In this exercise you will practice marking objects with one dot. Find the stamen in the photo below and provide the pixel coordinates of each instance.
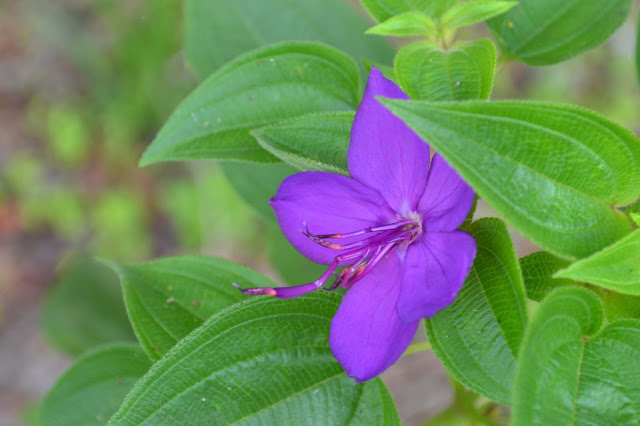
(373, 261)
(379, 240)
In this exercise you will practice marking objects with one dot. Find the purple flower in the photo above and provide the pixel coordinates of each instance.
(393, 225)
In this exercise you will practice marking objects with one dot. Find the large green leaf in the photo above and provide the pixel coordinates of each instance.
(477, 338)
(617, 267)
(216, 31)
(263, 361)
(93, 388)
(537, 272)
(85, 308)
(568, 373)
(425, 71)
(544, 32)
(256, 183)
(382, 10)
(311, 142)
(261, 87)
(168, 298)
(553, 172)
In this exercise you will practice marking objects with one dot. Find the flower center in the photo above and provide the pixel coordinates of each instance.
(365, 249)
(373, 245)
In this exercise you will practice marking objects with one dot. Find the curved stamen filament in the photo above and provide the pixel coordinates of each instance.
(365, 253)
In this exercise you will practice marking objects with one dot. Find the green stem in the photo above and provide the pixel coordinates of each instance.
(417, 347)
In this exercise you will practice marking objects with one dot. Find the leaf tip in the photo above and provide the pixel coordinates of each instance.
(115, 267)
(146, 159)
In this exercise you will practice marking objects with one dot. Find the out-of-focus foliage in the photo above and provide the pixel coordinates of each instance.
(85, 308)
(91, 391)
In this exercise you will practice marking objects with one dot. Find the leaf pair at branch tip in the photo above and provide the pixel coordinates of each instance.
(419, 22)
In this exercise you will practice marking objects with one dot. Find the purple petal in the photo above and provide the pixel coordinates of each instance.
(447, 199)
(366, 334)
(435, 269)
(384, 153)
(328, 204)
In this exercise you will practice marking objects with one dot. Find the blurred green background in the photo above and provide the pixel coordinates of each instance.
(84, 85)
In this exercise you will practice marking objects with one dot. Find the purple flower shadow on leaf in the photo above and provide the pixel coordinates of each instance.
(393, 225)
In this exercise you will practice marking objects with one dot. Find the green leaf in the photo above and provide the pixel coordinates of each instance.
(468, 13)
(538, 164)
(85, 308)
(292, 266)
(168, 298)
(425, 71)
(569, 375)
(617, 305)
(311, 142)
(216, 31)
(633, 211)
(263, 361)
(382, 10)
(93, 388)
(256, 183)
(259, 88)
(537, 272)
(616, 267)
(477, 338)
(406, 24)
(545, 32)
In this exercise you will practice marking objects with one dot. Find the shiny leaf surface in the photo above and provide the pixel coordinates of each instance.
(537, 164)
(263, 361)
